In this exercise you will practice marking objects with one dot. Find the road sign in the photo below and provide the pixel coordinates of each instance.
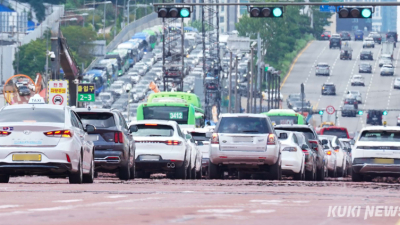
(327, 8)
(330, 110)
(86, 93)
(58, 92)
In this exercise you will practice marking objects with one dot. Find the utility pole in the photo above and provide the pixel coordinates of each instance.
(249, 109)
(261, 81)
(94, 10)
(248, 88)
(269, 91)
(236, 84)
(129, 12)
(255, 90)
(230, 85)
(115, 22)
(279, 91)
(104, 22)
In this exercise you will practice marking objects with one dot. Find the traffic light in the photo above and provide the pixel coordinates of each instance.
(384, 113)
(321, 112)
(360, 112)
(266, 12)
(355, 13)
(174, 12)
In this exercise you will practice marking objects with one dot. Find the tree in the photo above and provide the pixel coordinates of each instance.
(32, 58)
(79, 41)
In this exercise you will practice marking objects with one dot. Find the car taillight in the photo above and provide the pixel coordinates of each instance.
(271, 139)
(4, 133)
(329, 35)
(118, 137)
(329, 153)
(214, 138)
(59, 133)
(290, 149)
(367, 116)
(173, 142)
(336, 150)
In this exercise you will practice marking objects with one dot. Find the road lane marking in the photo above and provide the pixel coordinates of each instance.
(8, 206)
(263, 211)
(294, 63)
(69, 200)
(116, 196)
(219, 210)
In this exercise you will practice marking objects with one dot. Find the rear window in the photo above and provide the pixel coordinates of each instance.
(199, 136)
(383, 136)
(284, 119)
(99, 120)
(338, 132)
(306, 131)
(38, 115)
(153, 130)
(245, 125)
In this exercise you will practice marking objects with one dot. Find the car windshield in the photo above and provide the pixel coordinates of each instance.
(198, 136)
(153, 130)
(30, 115)
(380, 136)
(245, 125)
(97, 119)
(338, 132)
(306, 131)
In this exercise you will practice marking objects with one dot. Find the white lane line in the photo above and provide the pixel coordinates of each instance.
(219, 210)
(116, 196)
(8, 206)
(68, 201)
(263, 211)
(393, 79)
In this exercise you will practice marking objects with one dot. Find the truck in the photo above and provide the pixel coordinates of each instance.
(387, 48)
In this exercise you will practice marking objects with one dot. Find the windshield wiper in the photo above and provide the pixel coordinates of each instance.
(248, 131)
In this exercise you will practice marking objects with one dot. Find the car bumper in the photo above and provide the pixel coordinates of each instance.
(244, 157)
(290, 164)
(376, 168)
(330, 163)
(161, 165)
(35, 168)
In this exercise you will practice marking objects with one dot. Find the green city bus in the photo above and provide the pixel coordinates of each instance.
(123, 59)
(182, 113)
(189, 98)
(285, 116)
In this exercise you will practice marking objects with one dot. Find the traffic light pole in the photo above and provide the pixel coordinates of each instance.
(230, 85)
(251, 81)
(372, 4)
(236, 85)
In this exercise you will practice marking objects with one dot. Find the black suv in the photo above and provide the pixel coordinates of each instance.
(391, 34)
(314, 143)
(335, 42)
(349, 110)
(328, 89)
(366, 54)
(345, 36)
(115, 148)
(374, 117)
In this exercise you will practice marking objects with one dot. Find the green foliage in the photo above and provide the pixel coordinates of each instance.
(79, 39)
(32, 58)
(198, 25)
(283, 37)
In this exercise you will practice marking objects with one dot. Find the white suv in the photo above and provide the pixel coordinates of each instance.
(376, 153)
(246, 143)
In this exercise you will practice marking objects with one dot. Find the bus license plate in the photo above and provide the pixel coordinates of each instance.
(384, 161)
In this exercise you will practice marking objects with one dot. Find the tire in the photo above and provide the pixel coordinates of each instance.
(200, 173)
(340, 171)
(213, 171)
(321, 173)
(188, 172)
(300, 175)
(275, 171)
(181, 172)
(310, 175)
(193, 174)
(124, 171)
(4, 178)
(356, 177)
(76, 178)
(133, 170)
(89, 178)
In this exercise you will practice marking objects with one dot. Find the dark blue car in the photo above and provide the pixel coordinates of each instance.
(359, 35)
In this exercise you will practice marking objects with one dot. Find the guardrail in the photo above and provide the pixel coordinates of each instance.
(128, 31)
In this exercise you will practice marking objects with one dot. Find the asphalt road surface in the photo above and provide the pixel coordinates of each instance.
(378, 92)
(40, 200)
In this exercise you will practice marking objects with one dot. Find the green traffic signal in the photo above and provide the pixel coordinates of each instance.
(321, 112)
(384, 113)
(366, 13)
(277, 12)
(266, 11)
(184, 12)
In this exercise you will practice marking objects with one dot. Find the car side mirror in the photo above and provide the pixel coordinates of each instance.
(283, 136)
(324, 142)
(188, 136)
(90, 128)
(199, 143)
(133, 129)
(208, 135)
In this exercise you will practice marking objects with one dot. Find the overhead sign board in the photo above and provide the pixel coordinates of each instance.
(58, 92)
(327, 8)
(86, 93)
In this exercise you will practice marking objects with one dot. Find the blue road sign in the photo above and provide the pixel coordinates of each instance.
(327, 8)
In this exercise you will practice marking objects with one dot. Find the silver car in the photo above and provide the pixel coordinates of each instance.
(387, 69)
(322, 69)
(396, 83)
(46, 140)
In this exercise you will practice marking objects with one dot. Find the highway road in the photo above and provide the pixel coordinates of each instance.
(378, 92)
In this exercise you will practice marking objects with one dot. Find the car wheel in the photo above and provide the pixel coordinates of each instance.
(77, 177)
(300, 174)
(193, 174)
(4, 178)
(181, 172)
(275, 172)
(124, 171)
(321, 173)
(189, 172)
(213, 171)
(133, 170)
(89, 178)
(200, 173)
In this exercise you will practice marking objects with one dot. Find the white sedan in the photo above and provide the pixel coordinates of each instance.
(387, 69)
(356, 94)
(293, 158)
(396, 84)
(161, 148)
(334, 143)
(46, 140)
(330, 156)
(357, 80)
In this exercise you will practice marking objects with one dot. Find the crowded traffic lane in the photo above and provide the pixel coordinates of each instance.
(162, 201)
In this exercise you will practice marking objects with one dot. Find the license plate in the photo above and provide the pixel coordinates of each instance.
(149, 158)
(243, 139)
(384, 161)
(27, 157)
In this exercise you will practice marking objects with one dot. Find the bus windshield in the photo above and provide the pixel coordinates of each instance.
(284, 119)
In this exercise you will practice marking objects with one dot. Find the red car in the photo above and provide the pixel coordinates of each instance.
(340, 132)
